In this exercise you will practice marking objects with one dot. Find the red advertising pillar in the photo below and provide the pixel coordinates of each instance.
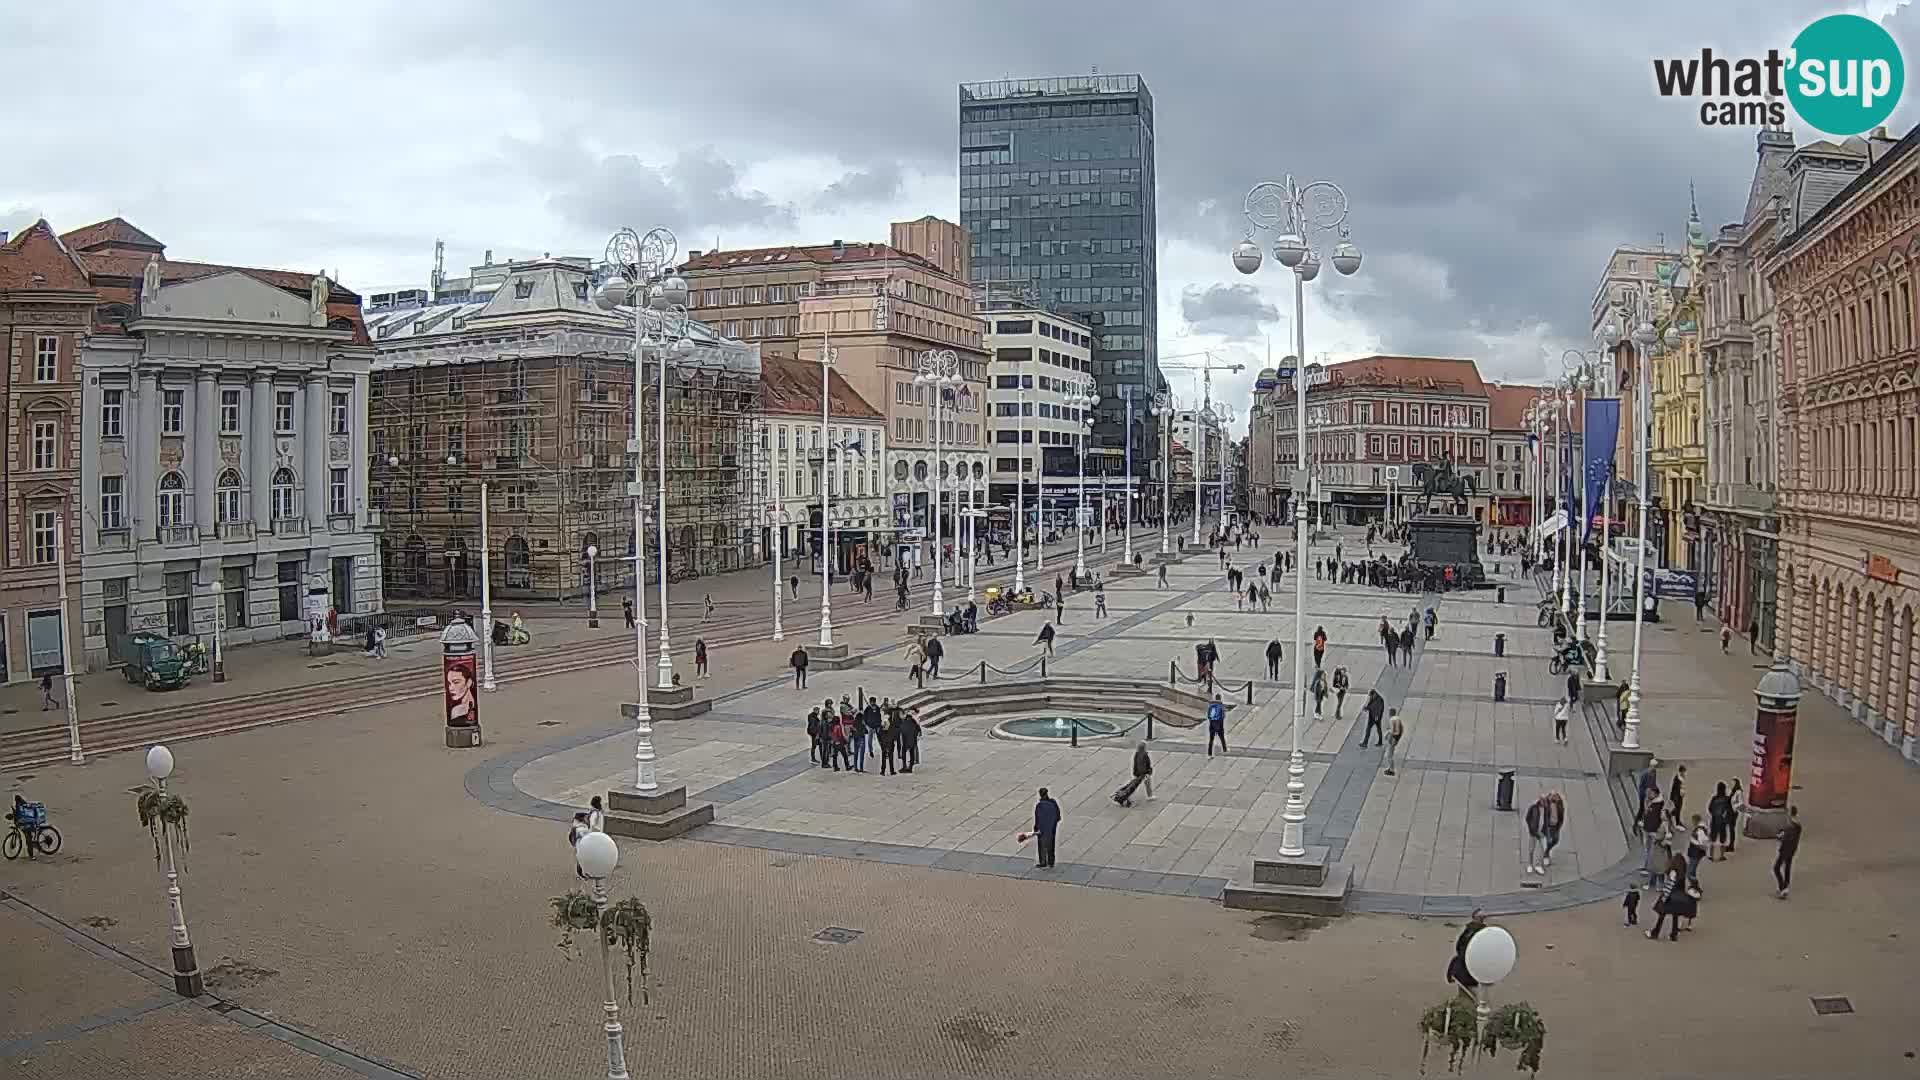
(1771, 787)
(460, 684)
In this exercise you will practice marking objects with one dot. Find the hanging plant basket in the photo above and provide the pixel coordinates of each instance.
(629, 927)
(573, 912)
(1452, 1023)
(163, 814)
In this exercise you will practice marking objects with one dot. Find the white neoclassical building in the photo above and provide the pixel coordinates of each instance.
(224, 420)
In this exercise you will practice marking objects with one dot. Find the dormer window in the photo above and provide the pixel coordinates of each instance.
(522, 289)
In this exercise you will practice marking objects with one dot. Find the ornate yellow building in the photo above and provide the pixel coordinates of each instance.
(1678, 465)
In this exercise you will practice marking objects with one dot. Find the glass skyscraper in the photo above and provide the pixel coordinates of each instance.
(1056, 192)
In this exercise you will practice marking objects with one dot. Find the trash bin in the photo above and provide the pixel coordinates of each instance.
(1499, 686)
(1503, 791)
(1499, 644)
(1500, 594)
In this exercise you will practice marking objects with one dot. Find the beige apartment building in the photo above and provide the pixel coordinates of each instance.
(880, 307)
(46, 307)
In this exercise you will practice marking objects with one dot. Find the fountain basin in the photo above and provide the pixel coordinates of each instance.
(1057, 729)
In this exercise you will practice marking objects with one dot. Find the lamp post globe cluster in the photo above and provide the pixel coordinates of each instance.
(1295, 213)
(1162, 407)
(1644, 338)
(1082, 396)
(639, 274)
(939, 371)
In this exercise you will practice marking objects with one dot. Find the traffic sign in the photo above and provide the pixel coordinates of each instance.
(1285, 373)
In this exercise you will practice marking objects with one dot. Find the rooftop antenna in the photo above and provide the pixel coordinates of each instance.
(439, 270)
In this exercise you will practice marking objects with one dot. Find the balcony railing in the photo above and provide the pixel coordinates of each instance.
(236, 530)
(340, 523)
(291, 526)
(116, 539)
(179, 535)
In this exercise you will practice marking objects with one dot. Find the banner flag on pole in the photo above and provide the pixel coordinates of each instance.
(1602, 427)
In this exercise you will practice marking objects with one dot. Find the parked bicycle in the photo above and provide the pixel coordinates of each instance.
(30, 831)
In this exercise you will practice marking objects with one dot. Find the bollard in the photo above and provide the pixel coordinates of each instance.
(1073, 733)
(1500, 594)
(983, 673)
(1173, 673)
(1499, 686)
(1249, 691)
(1499, 644)
(1149, 724)
(1503, 791)
(1043, 666)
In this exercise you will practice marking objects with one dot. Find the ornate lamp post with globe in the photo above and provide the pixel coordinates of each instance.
(1296, 213)
(1082, 395)
(1163, 408)
(640, 274)
(939, 372)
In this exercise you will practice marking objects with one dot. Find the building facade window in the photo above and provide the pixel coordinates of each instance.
(46, 359)
(337, 504)
(173, 500)
(229, 412)
(112, 407)
(282, 494)
(287, 590)
(45, 536)
(113, 502)
(179, 592)
(283, 412)
(172, 411)
(46, 443)
(339, 412)
(226, 497)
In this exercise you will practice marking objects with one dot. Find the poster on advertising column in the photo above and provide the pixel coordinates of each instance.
(1772, 760)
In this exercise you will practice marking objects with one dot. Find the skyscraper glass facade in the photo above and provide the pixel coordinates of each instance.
(1056, 192)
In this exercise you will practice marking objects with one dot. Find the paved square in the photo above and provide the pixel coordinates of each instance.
(1427, 838)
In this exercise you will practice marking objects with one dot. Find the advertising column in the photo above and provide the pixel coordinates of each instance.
(460, 679)
(1777, 708)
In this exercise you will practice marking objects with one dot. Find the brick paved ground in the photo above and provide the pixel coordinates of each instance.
(343, 882)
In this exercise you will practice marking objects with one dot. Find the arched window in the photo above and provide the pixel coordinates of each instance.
(283, 494)
(226, 496)
(519, 564)
(173, 500)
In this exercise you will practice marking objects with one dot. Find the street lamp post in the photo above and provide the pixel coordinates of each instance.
(74, 754)
(593, 590)
(640, 273)
(1565, 453)
(219, 622)
(1082, 396)
(1643, 338)
(1163, 408)
(187, 981)
(1020, 488)
(939, 372)
(1126, 519)
(1224, 414)
(828, 357)
(776, 535)
(1201, 420)
(1295, 212)
(597, 855)
(487, 681)
(1574, 363)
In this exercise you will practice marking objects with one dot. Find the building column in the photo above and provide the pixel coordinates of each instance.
(313, 441)
(203, 433)
(1881, 643)
(259, 451)
(146, 457)
(357, 493)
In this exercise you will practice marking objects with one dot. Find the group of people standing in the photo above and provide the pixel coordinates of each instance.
(846, 734)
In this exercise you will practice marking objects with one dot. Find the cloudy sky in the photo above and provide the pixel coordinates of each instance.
(1494, 153)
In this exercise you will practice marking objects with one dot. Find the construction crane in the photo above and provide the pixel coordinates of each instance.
(1208, 362)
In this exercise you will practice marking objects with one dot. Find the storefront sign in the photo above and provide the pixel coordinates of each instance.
(1881, 568)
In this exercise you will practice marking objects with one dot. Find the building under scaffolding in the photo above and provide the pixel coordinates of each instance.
(513, 379)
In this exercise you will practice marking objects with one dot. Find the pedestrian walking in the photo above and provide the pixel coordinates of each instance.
(934, 650)
(1573, 687)
(1100, 603)
(1060, 608)
(1560, 723)
(1163, 575)
(1374, 710)
(1719, 822)
(626, 609)
(1406, 645)
(699, 658)
(1673, 900)
(815, 749)
(857, 738)
(1395, 729)
(1433, 622)
(889, 737)
(1143, 768)
(799, 662)
(1649, 785)
(1556, 820)
(1536, 819)
(1319, 645)
(1340, 685)
(909, 739)
(1632, 902)
(1266, 597)
(1651, 825)
(574, 832)
(1319, 687)
(1274, 655)
(46, 693)
(1726, 638)
(1699, 843)
(596, 815)
(1046, 827)
(1789, 847)
(793, 583)
(1677, 794)
(1738, 797)
(1216, 725)
(916, 663)
(1753, 637)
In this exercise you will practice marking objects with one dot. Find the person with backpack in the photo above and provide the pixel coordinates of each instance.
(934, 651)
(1216, 725)
(1274, 655)
(1045, 639)
(699, 658)
(1389, 640)
(1536, 819)
(1319, 645)
(1375, 709)
(1340, 685)
(799, 662)
(841, 734)
(814, 752)
(1720, 819)
(1319, 689)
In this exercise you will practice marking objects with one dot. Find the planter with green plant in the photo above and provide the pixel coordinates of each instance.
(1454, 1024)
(165, 816)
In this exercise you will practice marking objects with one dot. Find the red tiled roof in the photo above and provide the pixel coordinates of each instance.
(115, 232)
(792, 386)
(36, 259)
(121, 268)
(794, 255)
(1509, 403)
(1440, 373)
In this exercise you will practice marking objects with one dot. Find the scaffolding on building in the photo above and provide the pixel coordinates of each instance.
(543, 418)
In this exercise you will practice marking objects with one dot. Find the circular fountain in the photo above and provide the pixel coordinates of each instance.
(1057, 729)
